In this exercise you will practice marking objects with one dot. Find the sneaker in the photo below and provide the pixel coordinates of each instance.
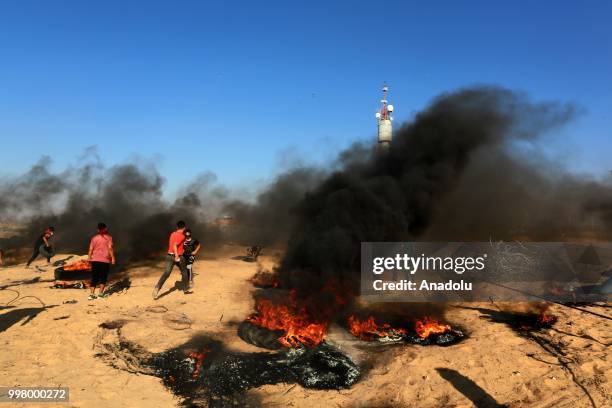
(91, 297)
(188, 292)
(155, 293)
(103, 295)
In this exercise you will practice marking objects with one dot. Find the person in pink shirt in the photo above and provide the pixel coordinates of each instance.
(101, 256)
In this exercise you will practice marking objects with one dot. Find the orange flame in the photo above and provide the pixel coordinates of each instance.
(368, 329)
(427, 326)
(533, 322)
(81, 265)
(545, 319)
(198, 358)
(299, 329)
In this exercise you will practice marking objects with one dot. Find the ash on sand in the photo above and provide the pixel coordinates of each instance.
(202, 372)
(520, 321)
(223, 373)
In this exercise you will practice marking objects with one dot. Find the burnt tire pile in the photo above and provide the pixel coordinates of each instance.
(445, 339)
(260, 336)
(227, 373)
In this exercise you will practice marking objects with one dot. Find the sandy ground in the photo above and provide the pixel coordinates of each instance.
(53, 346)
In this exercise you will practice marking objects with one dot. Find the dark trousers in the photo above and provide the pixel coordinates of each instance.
(99, 273)
(189, 268)
(41, 250)
(170, 263)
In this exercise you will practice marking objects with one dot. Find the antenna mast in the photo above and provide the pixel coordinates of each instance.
(384, 119)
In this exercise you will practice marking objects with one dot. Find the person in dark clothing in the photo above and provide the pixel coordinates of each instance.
(42, 246)
(191, 247)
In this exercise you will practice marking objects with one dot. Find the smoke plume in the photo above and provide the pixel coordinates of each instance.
(457, 172)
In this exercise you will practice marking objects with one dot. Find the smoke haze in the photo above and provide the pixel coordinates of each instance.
(129, 198)
(456, 172)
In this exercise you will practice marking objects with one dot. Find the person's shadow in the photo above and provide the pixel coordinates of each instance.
(469, 389)
(177, 286)
(120, 286)
(12, 317)
(23, 282)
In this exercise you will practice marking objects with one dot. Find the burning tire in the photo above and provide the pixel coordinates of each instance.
(425, 332)
(75, 275)
(260, 336)
(445, 339)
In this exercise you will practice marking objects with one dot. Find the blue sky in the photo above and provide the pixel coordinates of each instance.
(244, 88)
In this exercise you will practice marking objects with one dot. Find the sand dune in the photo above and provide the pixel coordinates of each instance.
(48, 341)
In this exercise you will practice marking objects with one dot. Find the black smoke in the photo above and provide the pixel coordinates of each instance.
(269, 219)
(466, 168)
(128, 198)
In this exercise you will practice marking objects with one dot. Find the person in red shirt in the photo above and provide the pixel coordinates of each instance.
(101, 256)
(175, 250)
